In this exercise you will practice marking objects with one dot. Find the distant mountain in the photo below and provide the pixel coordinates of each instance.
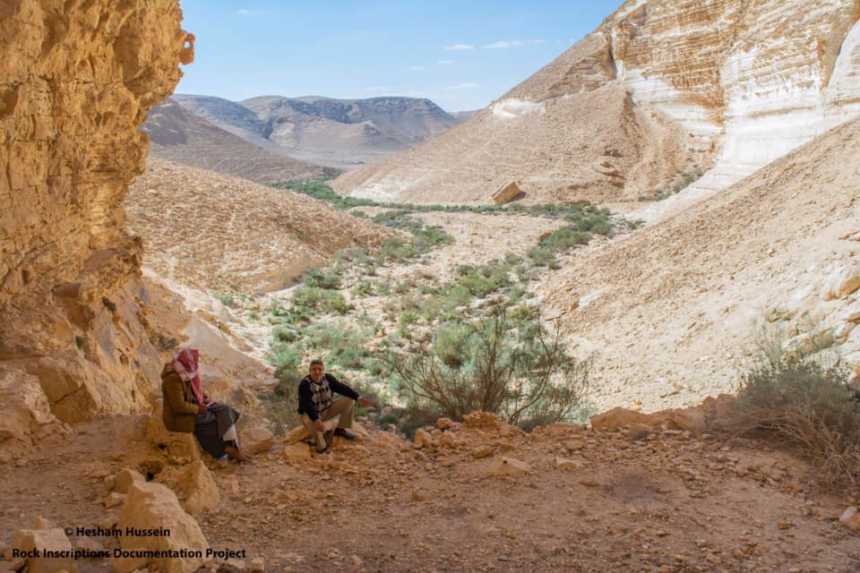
(332, 132)
(184, 137)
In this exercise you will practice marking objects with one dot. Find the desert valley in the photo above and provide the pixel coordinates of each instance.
(609, 322)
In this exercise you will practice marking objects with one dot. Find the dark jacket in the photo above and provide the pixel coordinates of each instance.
(306, 402)
(180, 409)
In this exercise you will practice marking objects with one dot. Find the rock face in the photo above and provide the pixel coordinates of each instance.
(725, 86)
(77, 81)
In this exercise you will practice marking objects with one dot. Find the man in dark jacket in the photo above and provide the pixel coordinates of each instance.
(318, 405)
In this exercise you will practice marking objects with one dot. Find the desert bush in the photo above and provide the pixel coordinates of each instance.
(309, 301)
(327, 279)
(807, 405)
(520, 373)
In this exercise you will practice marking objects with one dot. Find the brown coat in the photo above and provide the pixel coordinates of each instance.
(179, 411)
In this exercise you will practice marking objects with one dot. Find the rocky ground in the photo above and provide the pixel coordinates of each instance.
(481, 496)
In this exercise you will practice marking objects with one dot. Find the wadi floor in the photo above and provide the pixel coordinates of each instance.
(640, 501)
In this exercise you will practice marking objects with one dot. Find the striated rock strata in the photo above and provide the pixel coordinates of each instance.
(77, 78)
(742, 83)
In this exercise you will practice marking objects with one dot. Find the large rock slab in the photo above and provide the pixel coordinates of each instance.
(42, 540)
(198, 489)
(153, 507)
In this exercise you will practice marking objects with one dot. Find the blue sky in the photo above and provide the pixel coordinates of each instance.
(462, 54)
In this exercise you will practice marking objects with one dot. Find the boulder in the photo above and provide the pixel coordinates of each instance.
(851, 519)
(197, 489)
(509, 467)
(449, 440)
(180, 448)
(446, 424)
(690, 419)
(506, 193)
(484, 451)
(25, 406)
(152, 506)
(843, 282)
(125, 478)
(481, 421)
(423, 439)
(298, 452)
(42, 540)
(257, 441)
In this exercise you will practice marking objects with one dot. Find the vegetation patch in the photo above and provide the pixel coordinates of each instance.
(807, 405)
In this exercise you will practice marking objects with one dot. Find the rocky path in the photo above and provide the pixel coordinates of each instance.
(479, 497)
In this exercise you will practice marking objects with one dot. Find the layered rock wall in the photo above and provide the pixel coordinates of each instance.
(752, 79)
(743, 81)
(77, 79)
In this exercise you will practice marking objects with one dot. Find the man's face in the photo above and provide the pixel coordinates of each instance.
(317, 371)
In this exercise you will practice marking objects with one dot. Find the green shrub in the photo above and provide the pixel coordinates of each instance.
(364, 288)
(323, 279)
(408, 318)
(519, 373)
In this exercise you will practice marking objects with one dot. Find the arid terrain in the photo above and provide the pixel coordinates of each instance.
(255, 137)
(646, 362)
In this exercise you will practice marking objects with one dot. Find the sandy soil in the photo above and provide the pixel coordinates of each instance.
(663, 501)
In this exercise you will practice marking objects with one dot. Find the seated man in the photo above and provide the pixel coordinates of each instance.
(188, 409)
(317, 404)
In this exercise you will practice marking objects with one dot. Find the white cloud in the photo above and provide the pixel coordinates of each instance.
(504, 44)
(463, 86)
(445, 62)
(247, 12)
(416, 68)
(459, 47)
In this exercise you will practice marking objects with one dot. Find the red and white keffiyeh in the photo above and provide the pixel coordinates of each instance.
(186, 363)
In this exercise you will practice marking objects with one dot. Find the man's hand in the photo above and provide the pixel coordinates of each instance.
(319, 426)
(366, 402)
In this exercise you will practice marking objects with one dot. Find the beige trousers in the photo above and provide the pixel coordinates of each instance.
(342, 408)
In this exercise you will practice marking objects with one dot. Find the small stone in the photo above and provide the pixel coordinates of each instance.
(850, 518)
(423, 439)
(258, 565)
(297, 452)
(484, 451)
(114, 499)
(125, 477)
(41, 523)
(566, 464)
(509, 467)
(257, 441)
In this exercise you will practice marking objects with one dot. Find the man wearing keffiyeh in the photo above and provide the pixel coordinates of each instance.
(188, 409)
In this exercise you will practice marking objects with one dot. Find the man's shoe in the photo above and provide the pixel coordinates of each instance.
(345, 433)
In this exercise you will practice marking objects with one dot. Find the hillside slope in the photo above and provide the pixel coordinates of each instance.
(674, 311)
(741, 82)
(215, 232)
(343, 133)
(183, 137)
